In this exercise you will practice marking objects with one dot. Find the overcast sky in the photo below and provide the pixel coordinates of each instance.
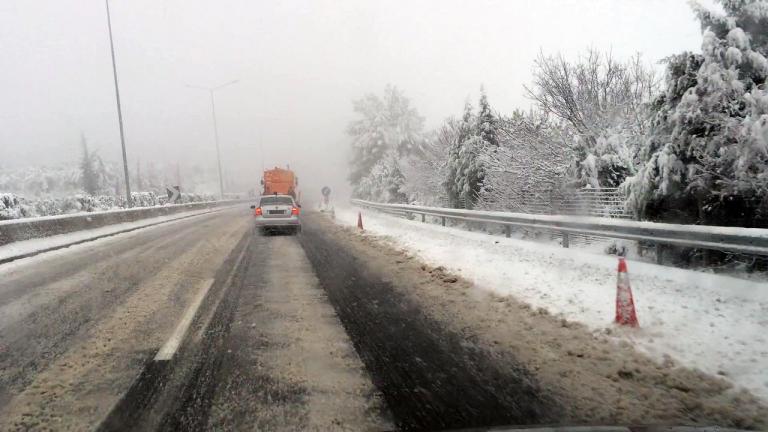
(299, 65)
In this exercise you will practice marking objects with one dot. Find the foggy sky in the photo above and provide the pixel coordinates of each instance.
(300, 63)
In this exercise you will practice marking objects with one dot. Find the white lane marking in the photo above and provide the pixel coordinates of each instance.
(173, 343)
(168, 350)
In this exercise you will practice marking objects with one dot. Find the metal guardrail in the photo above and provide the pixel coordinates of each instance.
(731, 239)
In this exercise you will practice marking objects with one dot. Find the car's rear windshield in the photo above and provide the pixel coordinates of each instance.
(276, 200)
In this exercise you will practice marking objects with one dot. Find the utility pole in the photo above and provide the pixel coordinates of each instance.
(216, 128)
(218, 151)
(128, 201)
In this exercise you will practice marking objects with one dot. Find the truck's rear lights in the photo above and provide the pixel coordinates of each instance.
(295, 211)
(257, 212)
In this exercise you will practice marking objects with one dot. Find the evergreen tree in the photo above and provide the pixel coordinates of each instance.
(707, 160)
(393, 183)
(153, 178)
(487, 123)
(460, 131)
(466, 172)
(469, 183)
(88, 177)
(139, 186)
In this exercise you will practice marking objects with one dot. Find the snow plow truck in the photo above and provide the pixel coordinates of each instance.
(278, 181)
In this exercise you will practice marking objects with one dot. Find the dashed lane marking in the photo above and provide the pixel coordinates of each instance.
(173, 343)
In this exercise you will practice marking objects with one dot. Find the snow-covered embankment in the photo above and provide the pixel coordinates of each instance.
(714, 323)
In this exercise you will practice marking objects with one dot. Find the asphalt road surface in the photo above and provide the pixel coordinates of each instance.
(78, 325)
(291, 333)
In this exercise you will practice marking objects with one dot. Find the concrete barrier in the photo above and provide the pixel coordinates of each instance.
(25, 229)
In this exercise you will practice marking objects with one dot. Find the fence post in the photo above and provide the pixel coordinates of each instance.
(659, 253)
(566, 239)
(423, 217)
(508, 230)
(443, 220)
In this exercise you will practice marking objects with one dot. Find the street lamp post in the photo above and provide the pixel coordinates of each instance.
(119, 111)
(216, 128)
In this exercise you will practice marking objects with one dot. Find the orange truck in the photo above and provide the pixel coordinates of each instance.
(281, 182)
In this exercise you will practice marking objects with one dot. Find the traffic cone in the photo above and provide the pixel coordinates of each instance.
(625, 304)
(360, 221)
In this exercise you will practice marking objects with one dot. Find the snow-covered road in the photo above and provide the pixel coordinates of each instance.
(79, 328)
(715, 323)
(35, 246)
(77, 324)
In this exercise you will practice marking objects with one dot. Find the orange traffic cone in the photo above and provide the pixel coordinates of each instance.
(359, 221)
(625, 304)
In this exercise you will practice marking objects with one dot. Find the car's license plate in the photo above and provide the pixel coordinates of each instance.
(276, 211)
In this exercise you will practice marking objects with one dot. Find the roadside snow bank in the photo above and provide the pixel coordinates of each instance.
(717, 324)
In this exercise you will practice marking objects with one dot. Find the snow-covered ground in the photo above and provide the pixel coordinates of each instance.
(717, 324)
(39, 244)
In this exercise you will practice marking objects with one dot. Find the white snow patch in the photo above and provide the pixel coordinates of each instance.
(715, 323)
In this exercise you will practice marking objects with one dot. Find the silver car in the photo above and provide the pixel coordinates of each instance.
(277, 213)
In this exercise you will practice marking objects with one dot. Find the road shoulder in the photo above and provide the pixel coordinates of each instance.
(596, 380)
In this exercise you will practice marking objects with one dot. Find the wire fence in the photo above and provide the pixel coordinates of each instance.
(594, 202)
(602, 202)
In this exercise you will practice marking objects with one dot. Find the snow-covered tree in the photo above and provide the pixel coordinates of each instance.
(88, 177)
(605, 103)
(469, 164)
(460, 132)
(426, 172)
(487, 122)
(532, 160)
(471, 137)
(387, 128)
(707, 160)
(454, 131)
(153, 182)
(138, 179)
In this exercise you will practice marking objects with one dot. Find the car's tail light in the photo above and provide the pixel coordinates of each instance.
(257, 212)
(295, 211)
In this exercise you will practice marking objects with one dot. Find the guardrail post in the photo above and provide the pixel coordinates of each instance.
(566, 239)
(423, 217)
(659, 253)
(443, 220)
(508, 230)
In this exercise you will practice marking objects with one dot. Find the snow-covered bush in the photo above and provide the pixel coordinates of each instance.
(13, 206)
(10, 207)
(385, 183)
(187, 198)
(144, 199)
